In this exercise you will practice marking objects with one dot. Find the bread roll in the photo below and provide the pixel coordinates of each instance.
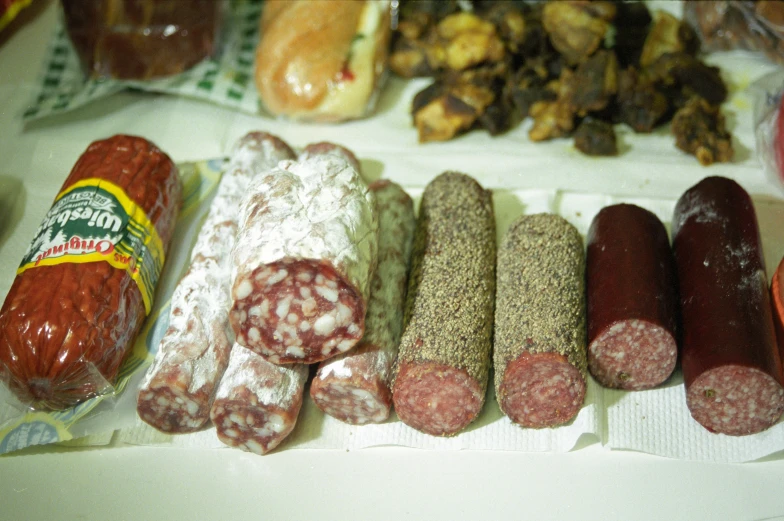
(322, 60)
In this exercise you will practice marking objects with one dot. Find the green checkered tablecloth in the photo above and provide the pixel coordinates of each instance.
(226, 79)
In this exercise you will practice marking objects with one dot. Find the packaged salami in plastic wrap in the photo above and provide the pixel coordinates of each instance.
(750, 25)
(768, 94)
(322, 61)
(88, 278)
(9, 9)
(141, 39)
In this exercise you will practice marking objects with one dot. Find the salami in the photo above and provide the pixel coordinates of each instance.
(177, 390)
(354, 387)
(305, 253)
(777, 296)
(731, 366)
(444, 359)
(88, 279)
(631, 299)
(257, 402)
(539, 357)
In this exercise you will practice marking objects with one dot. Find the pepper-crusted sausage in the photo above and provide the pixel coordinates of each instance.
(80, 296)
(444, 359)
(539, 356)
(731, 366)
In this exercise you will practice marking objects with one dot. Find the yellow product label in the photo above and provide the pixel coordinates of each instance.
(94, 220)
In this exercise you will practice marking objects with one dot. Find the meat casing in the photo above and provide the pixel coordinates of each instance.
(731, 366)
(65, 328)
(354, 387)
(632, 299)
(444, 360)
(305, 253)
(539, 356)
(257, 402)
(177, 390)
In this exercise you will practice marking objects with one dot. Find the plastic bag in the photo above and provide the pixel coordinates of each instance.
(769, 125)
(142, 39)
(750, 25)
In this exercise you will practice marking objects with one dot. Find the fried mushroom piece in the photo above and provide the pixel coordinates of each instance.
(699, 129)
(693, 77)
(668, 35)
(577, 28)
(594, 137)
(468, 41)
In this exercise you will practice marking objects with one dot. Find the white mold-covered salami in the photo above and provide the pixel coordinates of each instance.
(305, 253)
(354, 387)
(257, 402)
(177, 390)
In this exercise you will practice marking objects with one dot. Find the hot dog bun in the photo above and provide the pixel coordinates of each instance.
(322, 60)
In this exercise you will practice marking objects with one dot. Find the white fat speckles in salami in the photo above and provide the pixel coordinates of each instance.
(632, 354)
(177, 390)
(257, 402)
(539, 357)
(354, 387)
(735, 400)
(444, 360)
(306, 245)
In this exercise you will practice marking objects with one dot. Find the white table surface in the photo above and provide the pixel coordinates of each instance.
(146, 483)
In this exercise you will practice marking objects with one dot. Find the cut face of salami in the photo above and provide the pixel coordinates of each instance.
(731, 364)
(177, 391)
(354, 387)
(305, 252)
(631, 299)
(257, 402)
(444, 358)
(539, 356)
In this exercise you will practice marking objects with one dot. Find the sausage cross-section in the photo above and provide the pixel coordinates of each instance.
(303, 259)
(731, 366)
(444, 359)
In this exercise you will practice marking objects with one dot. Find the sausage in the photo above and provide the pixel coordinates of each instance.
(731, 367)
(441, 373)
(177, 391)
(539, 356)
(631, 299)
(354, 387)
(257, 402)
(303, 260)
(88, 279)
(777, 297)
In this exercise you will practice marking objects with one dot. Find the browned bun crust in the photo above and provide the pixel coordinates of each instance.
(309, 55)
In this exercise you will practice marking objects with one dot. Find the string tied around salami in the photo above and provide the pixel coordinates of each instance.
(94, 220)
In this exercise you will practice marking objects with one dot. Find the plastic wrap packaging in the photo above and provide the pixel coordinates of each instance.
(141, 39)
(768, 93)
(88, 279)
(9, 9)
(750, 25)
(322, 61)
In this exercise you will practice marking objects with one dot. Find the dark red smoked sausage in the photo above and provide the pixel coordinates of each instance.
(632, 299)
(731, 367)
